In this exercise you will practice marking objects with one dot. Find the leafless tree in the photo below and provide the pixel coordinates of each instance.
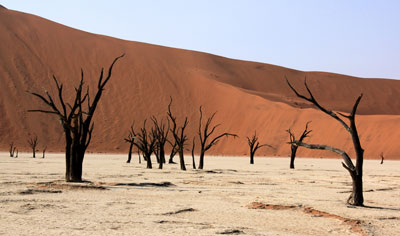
(75, 120)
(178, 134)
(356, 172)
(12, 149)
(138, 153)
(44, 151)
(33, 143)
(193, 147)
(204, 135)
(293, 146)
(156, 152)
(130, 139)
(254, 145)
(382, 158)
(145, 142)
(161, 135)
(174, 150)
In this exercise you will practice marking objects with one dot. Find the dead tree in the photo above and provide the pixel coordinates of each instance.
(174, 150)
(44, 151)
(156, 153)
(193, 147)
(138, 153)
(75, 120)
(33, 143)
(293, 146)
(382, 158)
(356, 172)
(12, 149)
(161, 135)
(145, 141)
(179, 135)
(16, 154)
(254, 145)
(205, 133)
(130, 139)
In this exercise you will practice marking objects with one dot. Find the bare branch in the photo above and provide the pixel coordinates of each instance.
(313, 101)
(346, 158)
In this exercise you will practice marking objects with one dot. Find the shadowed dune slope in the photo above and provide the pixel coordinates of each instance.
(247, 95)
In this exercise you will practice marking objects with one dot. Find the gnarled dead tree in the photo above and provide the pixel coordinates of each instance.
(382, 158)
(138, 153)
(33, 143)
(193, 147)
(205, 133)
(130, 139)
(12, 149)
(293, 146)
(161, 131)
(356, 172)
(145, 141)
(179, 135)
(254, 145)
(75, 120)
(174, 150)
(44, 151)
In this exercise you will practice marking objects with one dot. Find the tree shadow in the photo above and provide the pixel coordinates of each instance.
(382, 208)
(162, 184)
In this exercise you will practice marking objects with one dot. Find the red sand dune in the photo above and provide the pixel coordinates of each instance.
(248, 96)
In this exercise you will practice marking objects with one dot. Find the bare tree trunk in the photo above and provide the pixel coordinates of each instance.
(130, 153)
(356, 197)
(140, 160)
(171, 158)
(156, 153)
(44, 151)
(12, 149)
(161, 154)
(182, 159)
(293, 155)
(148, 159)
(201, 160)
(252, 158)
(75, 169)
(193, 147)
(68, 143)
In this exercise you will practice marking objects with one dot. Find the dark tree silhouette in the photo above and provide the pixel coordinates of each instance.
(75, 120)
(174, 150)
(130, 139)
(161, 131)
(138, 153)
(254, 145)
(179, 135)
(33, 143)
(193, 147)
(204, 135)
(293, 146)
(156, 152)
(12, 149)
(145, 141)
(356, 172)
(382, 158)
(44, 151)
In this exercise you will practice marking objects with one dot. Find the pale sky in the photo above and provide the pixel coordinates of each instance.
(353, 37)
